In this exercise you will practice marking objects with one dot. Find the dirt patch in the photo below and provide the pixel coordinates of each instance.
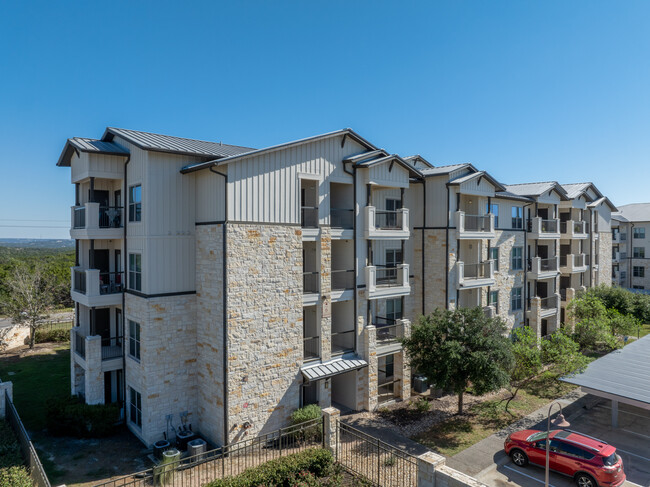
(15, 354)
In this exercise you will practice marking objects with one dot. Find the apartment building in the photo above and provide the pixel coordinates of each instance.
(629, 262)
(225, 286)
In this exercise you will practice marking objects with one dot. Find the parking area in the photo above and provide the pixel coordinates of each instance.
(631, 439)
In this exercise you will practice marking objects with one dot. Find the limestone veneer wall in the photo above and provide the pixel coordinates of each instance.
(506, 278)
(165, 376)
(435, 272)
(264, 308)
(604, 258)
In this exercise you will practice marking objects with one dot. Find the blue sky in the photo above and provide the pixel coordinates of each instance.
(529, 91)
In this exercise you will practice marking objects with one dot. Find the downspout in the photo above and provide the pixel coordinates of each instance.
(525, 286)
(629, 249)
(591, 247)
(224, 304)
(125, 256)
(424, 224)
(354, 247)
(447, 254)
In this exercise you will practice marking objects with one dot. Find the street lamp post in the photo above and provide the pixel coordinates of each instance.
(558, 422)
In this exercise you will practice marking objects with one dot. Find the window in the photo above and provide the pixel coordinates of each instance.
(517, 261)
(135, 203)
(639, 232)
(623, 237)
(493, 300)
(639, 252)
(393, 259)
(392, 205)
(515, 299)
(638, 271)
(494, 255)
(135, 407)
(638, 287)
(134, 339)
(135, 272)
(623, 274)
(494, 209)
(517, 217)
(394, 309)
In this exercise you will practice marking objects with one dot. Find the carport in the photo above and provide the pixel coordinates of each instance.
(621, 376)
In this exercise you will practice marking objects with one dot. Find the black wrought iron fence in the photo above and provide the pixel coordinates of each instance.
(80, 344)
(388, 276)
(111, 282)
(36, 470)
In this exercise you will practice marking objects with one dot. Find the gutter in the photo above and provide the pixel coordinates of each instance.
(353, 173)
(525, 286)
(125, 219)
(224, 304)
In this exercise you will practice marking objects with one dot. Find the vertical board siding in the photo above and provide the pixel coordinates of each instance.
(385, 175)
(484, 188)
(210, 194)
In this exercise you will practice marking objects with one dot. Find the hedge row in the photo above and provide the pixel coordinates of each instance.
(44, 336)
(12, 471)
(72, 417)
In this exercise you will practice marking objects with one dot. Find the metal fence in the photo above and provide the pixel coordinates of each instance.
(378, 462)
(477, 223)
(27, 449)
(341, 218)
(198, 470)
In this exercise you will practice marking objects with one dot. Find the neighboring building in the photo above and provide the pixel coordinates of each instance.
(228, 286)
(631, 246)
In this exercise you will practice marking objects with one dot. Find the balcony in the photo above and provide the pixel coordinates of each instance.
(543, 229)
(549, 306)
(387, 282)
(574, 229)
(386, 224)
(309, 222)
(475, 275)
(97, 352)
(616, 256)
(570, 264)
(616, 238)
(311, 348)
(343, 284)
(92, 221)
(310, 287)
(539, 268)
(93, 288)
(342, 341)
(342, 223)
(474, 226)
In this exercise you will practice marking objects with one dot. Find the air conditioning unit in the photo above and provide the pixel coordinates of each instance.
(196, 447)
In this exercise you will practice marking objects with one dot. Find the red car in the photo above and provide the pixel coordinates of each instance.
(590, 461)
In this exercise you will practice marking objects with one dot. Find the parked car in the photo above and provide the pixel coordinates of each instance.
(590, 461)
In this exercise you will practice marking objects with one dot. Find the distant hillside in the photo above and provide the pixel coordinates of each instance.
(37, 243)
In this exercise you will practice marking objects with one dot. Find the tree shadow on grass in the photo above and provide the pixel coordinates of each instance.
(446, 435)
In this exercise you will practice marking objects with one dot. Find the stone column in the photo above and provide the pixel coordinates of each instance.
(427, 463)
(94, 377)
(535, 317)
(569, 321)
(325, 305)
(367, 378)
(331, 423)
(403, 368)
(8, 388)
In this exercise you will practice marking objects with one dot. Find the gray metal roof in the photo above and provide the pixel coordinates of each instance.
(636, 212)
(536, 189)
(391, 158)
(624, 373)
(511, 196)
(599, 201)
(417, 158)
(619, 218)
(481, 174)
(175, 145)
(575, 189)
(436, 171)
(332, 367)
(88, 145)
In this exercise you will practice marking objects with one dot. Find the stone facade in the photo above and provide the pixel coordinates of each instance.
(264, 312)
(604, 243)
(435, 271)
(506, 278)
(165, 375)
(13, 336)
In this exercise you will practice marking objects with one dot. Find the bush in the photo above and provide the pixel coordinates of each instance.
(71, 417)
(15, 477)
(594, 334)
(9, 448)
(422, 404)
(302, 415)
(43, 336)
(283, 472)
(622, 324)
(306, 413)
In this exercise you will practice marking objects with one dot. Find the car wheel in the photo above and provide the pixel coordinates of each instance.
(584, 480)
(519, 458)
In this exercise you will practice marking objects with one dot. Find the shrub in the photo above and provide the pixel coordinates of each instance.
(43, 336)
(283, 472)
(306, 413)
(622, 324)
(15, 477)
(9, 448)
(594, 334)
(71, 417)
(422, 405)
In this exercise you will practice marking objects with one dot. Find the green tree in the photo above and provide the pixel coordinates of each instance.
(30, 298)
(461, 348)
(622, 324)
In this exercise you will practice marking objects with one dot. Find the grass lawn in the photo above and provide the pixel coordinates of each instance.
(36, 380)
(645, 329)
(486, 418)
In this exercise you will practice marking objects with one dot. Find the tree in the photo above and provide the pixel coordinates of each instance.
(456, 349)
(558, 355)
(30, 298)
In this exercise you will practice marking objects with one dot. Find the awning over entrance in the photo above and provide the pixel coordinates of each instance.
(622, 376)
(332, 367)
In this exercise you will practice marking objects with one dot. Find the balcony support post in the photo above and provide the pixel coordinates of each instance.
(94, 377)
(535, 319)
(367, 377)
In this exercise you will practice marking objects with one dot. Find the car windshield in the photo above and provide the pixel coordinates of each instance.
(610, 460)
(537, 436)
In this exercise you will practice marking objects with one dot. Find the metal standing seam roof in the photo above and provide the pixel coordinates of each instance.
(175, 145)
(624, 373)
(512, 196)
(331, 368)
(576, 189)
(636, 212)
(437, 171)
(82, 144)
(536, 189)
(480, 174)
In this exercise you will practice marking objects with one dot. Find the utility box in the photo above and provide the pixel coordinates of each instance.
(196, 447)
(420, 384)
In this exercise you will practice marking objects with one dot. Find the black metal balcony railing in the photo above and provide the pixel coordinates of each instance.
(342, 341)
(388, 330)
(548, 265)
(80, 281)
(309, 216)
(386, 391)
(563, 294)
(342, 279)
(387, 275)
(563, 260)
(310, 282)
(111, 282)
(549, 226)
(80, 344)
(388, 219)
(80, 217)
(549, 303)
(580, 260)
(477, 223)
(311, 347)
(623, 237)
(477, 271)
(341, 218)
(579, 227)
(110, 216)
(111, 348)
